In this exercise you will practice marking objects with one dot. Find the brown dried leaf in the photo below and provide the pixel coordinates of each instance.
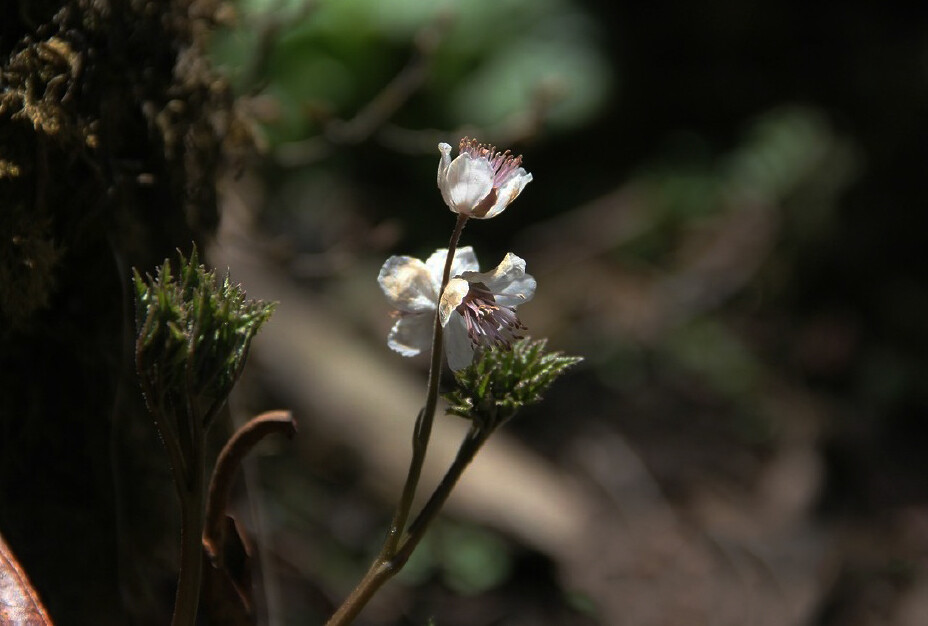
(227, 592)
(19, 602)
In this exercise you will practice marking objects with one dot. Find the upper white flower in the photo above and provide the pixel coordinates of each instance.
(475, 310)
(480, 182)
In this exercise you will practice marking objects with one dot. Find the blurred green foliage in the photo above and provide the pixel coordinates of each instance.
(469, 559)
(491, 61)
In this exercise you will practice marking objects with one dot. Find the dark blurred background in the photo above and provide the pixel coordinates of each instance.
(725, 221)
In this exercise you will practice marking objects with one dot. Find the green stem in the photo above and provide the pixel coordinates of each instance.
(469, 447)
(383, 567)
(423, 428)
(191, 537)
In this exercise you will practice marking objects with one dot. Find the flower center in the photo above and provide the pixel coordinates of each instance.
(502, 163)
(487, 322)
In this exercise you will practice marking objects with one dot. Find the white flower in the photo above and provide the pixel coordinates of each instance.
(480, 182)
(475, 310)
(412, 288)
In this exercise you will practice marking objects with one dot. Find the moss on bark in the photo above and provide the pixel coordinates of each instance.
(113, 129)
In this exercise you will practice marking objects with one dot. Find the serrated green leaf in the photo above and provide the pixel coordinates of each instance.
(500, 381)
(193, 333)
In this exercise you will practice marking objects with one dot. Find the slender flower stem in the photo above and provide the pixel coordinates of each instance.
(385, 566)
(191, 547)
(423, 427)
(472, 443)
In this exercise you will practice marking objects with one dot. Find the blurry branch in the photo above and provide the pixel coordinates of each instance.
(588, 231)
(709, 264)
(273, 21)
(713, 266)
(516, 130)
(380, 109)
(385, 104)
(716, 255)
(527, 124)
(373, 119)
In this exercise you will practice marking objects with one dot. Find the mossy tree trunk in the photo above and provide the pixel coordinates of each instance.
(112, 129)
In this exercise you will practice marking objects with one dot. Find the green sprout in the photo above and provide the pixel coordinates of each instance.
(194, 333)
(501, 381)
(193, 338)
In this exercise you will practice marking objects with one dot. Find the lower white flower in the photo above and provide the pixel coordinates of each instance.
(476, 309)
(412, 288)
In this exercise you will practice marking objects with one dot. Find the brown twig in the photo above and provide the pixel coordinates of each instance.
(220, 485)
(375, 114)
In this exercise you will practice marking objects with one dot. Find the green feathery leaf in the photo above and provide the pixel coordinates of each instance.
(193, 335)
(501, 381)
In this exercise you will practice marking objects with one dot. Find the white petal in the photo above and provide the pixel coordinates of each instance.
(509, 191)
(451, 298)
(443, 164)
(467, 182)
(407, 284)
(458, 347)
(508, 281)
(411, 334)
(464, 260)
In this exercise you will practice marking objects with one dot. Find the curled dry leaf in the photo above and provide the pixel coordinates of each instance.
(19, 602)
(227, 591)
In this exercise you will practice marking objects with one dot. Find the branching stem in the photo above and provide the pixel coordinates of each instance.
(386, 564)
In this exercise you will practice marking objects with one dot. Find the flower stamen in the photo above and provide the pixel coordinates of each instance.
(489, 323)
(502, 163)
